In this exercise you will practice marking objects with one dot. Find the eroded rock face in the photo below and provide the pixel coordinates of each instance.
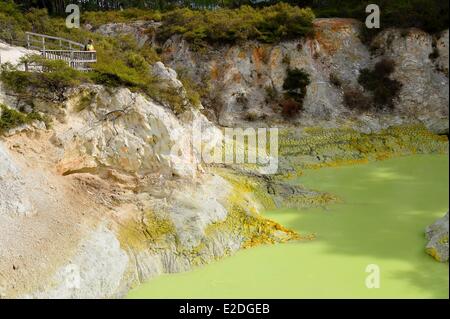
(442, 50)
(127, 132)
(14, 198)
(117, 186)
(95, 271)
(140, 30)
(437, 236)
(118, 196)
(243, 77)
(425, 88)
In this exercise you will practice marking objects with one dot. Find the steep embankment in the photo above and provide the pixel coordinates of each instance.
(244, 80)
(115, 190)
(111, 195)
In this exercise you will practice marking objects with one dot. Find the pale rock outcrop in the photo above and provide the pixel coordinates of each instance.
(425, 91)
(126, 131)
(195, 209)
(13, 193)
(442, 50)
(168, 81)
(140, 30)
(95, 271)
(437, 236)
(242, 76)
(11, 54)
(100, 169)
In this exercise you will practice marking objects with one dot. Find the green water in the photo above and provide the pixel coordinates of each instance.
(381, 221)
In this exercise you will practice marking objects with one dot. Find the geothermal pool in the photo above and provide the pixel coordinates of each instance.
(386, 207)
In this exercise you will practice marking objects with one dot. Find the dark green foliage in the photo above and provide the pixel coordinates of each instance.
(428, 15)
(97, 18)
(296, 82)
(356, 100)
(10, 118)
(295, 86)
(384, 90)
(269, 24)
(49, 84)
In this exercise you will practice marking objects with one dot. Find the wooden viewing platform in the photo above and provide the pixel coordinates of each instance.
(55, 48)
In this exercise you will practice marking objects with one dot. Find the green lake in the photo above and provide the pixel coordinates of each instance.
(386, 207)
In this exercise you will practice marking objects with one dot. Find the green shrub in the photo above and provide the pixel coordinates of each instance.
(296, 79)
(295, 85)
(39, 20)
(10, 118)
(49, 84)
(428, 15)
(12, 22)
(356, 100)
(97, 18)
(384, 90)
(269, 24)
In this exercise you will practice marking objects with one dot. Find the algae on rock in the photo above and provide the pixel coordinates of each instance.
(437, 236)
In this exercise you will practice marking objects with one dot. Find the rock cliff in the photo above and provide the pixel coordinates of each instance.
(116, 192)
(242, 78)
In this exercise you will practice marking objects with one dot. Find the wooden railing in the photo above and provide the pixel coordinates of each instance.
(79, 60)
(55, 48)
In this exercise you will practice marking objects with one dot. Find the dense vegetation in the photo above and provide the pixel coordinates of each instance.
(121, 62)
(429, 15)
(269, 24)
(48, 85)
(227, 20)
(377, 82)
(295, 87)
(10, 118)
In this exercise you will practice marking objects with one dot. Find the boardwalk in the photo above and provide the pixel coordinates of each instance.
(55, 48)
